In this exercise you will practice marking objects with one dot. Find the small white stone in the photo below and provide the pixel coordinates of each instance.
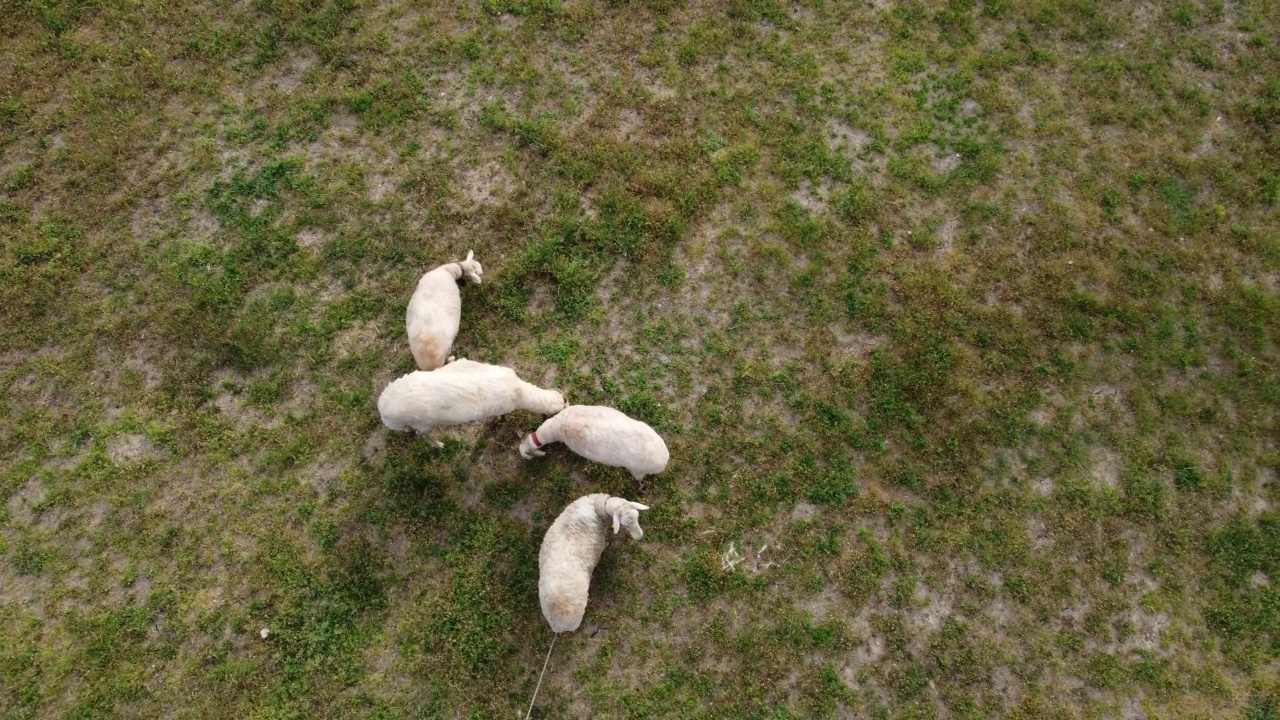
(264, 633)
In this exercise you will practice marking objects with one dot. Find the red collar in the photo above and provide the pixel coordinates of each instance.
(536, 444)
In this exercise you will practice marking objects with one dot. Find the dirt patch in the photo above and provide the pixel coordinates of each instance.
(22, 503)
(375, 447)
(24, 593)
(828, 603)
(812, 198)
(1254, 505)
(96, 516)
(134, 593)
(237, 412)
(1105, 470)
(379, 187)
(866, 654)
(66, 462)
(148, 371)
(944, 162)
(842, 136)
(149, 217)
(947, 236)
(343, 122)
(301, 398)
(804, 511)
(1006, 686)
(1041, 539)
(285, 77)
(924, 622)
(324, 475)
(659, 90)
(355, 339)
(486, 184)
(128, 449)
(1104, 393)
(311, 239)
(1148, 632)
(629, 121)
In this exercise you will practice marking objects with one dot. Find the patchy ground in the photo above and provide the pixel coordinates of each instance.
(960, 319)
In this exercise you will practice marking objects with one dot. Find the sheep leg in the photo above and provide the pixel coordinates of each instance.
(422, 433)
(641, 485)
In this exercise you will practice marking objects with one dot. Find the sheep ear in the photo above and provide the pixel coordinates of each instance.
(615, 523)
(637, 505)
(471, 254)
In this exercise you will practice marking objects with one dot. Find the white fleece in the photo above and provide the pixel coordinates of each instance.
(570, 550)
(435, 311)
(603, 435)
(460, 392)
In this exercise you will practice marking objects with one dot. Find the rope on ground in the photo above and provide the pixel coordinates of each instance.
(544, 672)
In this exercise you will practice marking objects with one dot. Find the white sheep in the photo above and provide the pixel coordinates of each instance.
(460, 392)
(436, 309)
(603, 435)
(570, 550)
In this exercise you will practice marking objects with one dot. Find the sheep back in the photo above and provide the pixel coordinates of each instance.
(460, 392)
(570, 550)
(433, 316)
(605, 435)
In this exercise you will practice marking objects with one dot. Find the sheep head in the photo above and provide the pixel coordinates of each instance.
(529, 450)
(542, 401)
(558, 403)
(625, 514)
(471, 269)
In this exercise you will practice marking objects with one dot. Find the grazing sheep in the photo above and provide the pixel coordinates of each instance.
(460, 392)
(571, 549)
(603, 435)
(436, 309)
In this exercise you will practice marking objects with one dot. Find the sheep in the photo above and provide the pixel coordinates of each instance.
(460, 392)
(570, 550)
(436, 309)
(603, 435)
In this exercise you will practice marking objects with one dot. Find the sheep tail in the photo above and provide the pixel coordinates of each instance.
(540, 676)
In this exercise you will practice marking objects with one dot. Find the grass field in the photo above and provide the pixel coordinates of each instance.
(960, 320)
